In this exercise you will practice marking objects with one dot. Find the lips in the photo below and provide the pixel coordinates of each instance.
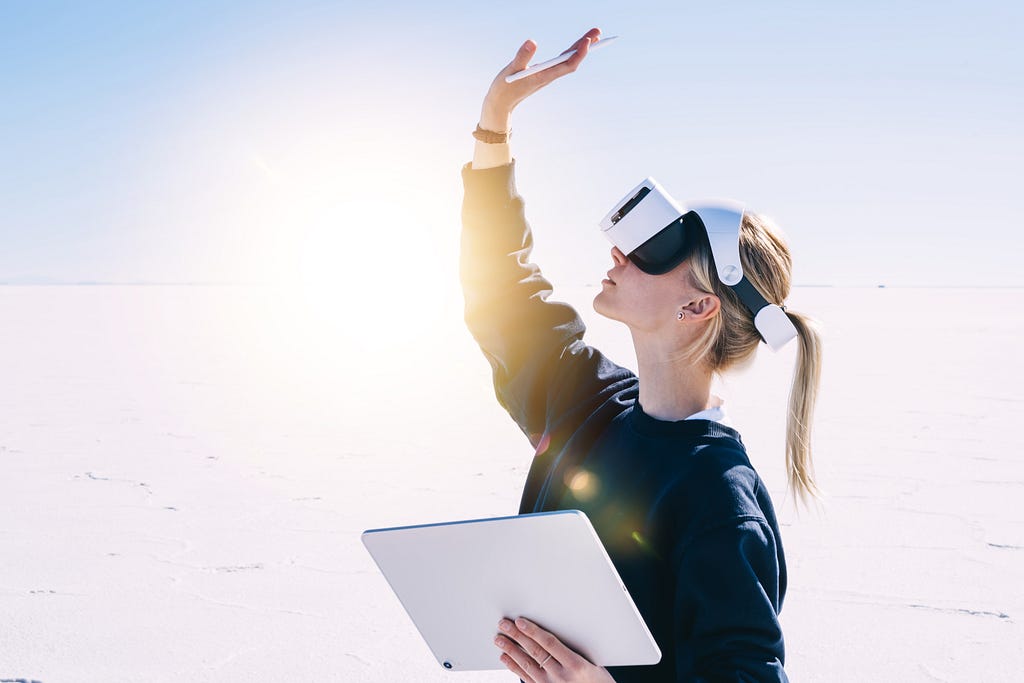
(610, 277)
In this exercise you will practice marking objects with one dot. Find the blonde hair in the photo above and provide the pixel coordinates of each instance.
(730, 339)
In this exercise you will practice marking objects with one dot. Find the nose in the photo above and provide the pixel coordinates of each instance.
(619, 258)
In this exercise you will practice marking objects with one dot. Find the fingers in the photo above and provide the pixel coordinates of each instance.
(581, 52)
(523, 56)
(582, 47)
(535, 644)
(593, 34)
(533, 653)
(508, 96)
(516, 669)
(547, 641)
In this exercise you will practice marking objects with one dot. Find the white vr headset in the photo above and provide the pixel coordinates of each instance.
(657, 234)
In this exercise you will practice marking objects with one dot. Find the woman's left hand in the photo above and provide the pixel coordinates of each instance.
(527, 648)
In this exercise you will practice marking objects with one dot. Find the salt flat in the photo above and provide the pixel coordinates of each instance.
(185, 472)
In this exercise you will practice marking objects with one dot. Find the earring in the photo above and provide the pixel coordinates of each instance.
(681, 314)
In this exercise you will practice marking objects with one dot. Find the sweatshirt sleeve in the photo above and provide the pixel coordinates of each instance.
(534, 346)
(727, 603)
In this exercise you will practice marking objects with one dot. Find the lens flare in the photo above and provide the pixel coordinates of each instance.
(644, 544)
(583, 484)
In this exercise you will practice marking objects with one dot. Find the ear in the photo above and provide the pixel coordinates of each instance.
(703, 308)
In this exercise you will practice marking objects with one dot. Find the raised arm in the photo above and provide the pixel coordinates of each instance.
(543, 372)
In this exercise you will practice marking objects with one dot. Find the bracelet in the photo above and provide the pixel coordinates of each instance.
(491, 136)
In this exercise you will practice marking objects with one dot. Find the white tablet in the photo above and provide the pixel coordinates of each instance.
(458, 579)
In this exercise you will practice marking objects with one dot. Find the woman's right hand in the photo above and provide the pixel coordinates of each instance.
(503, 97)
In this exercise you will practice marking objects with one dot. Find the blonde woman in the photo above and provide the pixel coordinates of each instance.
(649, 457)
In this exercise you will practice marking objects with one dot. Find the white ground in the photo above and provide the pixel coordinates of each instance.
(185, 472)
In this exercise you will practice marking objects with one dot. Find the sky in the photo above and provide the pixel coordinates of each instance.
(322, 142)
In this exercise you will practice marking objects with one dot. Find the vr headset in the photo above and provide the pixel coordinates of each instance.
(657, 234)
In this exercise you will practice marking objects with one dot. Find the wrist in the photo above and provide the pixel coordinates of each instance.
(496, 120)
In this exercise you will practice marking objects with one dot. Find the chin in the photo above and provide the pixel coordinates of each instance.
(601, 308)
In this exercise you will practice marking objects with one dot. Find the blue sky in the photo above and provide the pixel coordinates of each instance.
(258, 141)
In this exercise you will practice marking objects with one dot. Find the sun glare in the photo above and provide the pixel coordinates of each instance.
(365, 277)
(357, 236)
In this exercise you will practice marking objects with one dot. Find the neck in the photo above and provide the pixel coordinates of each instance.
(670, 388)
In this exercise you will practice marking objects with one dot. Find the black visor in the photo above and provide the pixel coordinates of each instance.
(670, 246)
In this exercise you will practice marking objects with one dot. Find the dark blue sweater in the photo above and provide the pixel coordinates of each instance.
(684, 517)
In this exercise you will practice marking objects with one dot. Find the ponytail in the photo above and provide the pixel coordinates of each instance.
(731, 339)
(802, 398)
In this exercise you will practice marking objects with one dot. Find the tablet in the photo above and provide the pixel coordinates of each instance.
(456, 580)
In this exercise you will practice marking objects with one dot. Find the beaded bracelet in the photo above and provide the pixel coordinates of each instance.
(491, 136)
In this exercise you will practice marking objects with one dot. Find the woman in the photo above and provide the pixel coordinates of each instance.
(668, 486)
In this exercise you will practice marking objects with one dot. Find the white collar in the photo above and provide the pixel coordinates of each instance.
(716, 413)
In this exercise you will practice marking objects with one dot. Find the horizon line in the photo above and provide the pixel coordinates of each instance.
(145, 283)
